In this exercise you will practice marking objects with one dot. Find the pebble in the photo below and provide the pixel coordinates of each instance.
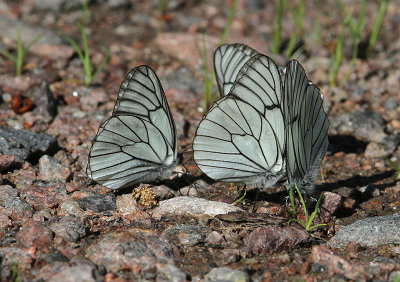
(331, 202)
(52, 170)
(324, 260)
(226, 274)
(71, 208)
(274, 238)
(186, 234)
(163, 192)
(99, 203)
(35, 234)
(134, 250)
(215, 238)
(186, 205)
(69, 228)
(369, 232)
(5, 192)
(82, 272)
(20, 209)
(9, 162)
(169, 272)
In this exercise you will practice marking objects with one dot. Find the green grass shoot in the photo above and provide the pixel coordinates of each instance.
(297, 14)
(210, 77)
(15, 273)
(383, 5)
(18, 59)
(85, 11)
(278, 28)
(85, 58)
(395, 166)
(307, 224)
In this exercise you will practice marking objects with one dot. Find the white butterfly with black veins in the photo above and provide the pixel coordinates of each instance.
(270, 123)
(138, 143)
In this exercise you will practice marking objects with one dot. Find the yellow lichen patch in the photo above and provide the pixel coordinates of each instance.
(144, 195)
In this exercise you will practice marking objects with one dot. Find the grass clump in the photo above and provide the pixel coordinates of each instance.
(84, 55)
(307, 224)
(22, 50)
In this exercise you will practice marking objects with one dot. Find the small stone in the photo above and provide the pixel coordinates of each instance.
(169, 272)
(273, 238)
(215, 238)
(187, 235)
(52, 170)
(35, 234)
(5, 192)
(192, 206)
(348, 203)
(336, 265)
(83, 272)
(163, 192)
(188, 191)
(69, 228)
(99, 203)
(71, 208)
(228, 256)
(20, 208)
(8, 162)
(226, 274)
(331, 202)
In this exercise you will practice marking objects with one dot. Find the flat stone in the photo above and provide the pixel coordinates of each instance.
(192, 206)
(137, 251)
(70, 228)
(369, 232)
(52, 170)
(35, 234)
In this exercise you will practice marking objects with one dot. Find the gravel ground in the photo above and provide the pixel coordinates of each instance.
(58, 225)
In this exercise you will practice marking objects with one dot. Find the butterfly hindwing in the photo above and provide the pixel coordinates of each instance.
(138, 142)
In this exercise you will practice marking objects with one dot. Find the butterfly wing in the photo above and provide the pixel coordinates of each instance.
(306, 127)
(241, 138)
(138, 142)
(228, 61)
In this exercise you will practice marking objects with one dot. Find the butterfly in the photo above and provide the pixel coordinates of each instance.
(138, 143)
(270, 124)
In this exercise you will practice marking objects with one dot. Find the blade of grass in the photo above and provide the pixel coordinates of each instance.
(383, 5)
(278, 28)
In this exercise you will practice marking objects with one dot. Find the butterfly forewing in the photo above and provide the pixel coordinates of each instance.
(306, 126)
(141, 94)
(228, 61)
(138, 142)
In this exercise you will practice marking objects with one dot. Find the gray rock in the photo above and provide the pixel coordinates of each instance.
(45, 102)
(225, 274)
(369, 232)
(25, 144)
(186, 234)
(70, 228)
(99, 203)
(192, 206)
(391, 104)
(362, 125)
(169, 272)
(132, 250)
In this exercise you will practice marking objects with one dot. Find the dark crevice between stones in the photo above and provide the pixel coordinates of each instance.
(346, 143)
